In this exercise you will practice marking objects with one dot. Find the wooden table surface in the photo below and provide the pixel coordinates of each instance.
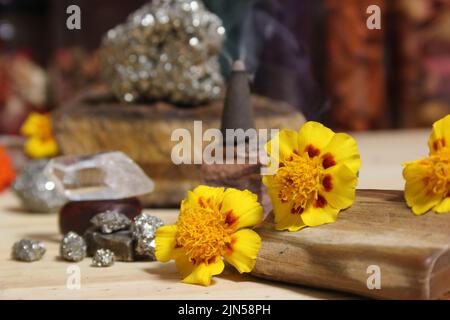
(382, 154)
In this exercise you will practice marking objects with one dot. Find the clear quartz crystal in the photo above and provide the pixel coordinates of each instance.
(102, 176)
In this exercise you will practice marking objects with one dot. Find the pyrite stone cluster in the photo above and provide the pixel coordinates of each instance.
(166, 50)
(110, 221)
(127, 240)
(73, 247)
(103, 258)
(144, 229)
(28, 250)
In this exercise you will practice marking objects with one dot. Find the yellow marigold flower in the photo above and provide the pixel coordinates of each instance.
(37, 125)
(211, 225)
(428, 180)
(38, 148)
(41, 143)
(316, 178)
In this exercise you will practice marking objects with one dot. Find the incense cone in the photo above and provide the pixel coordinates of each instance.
(237, 114)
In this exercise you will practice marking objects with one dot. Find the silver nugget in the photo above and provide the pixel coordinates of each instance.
(144, 228)
(28, 250)
(103, 258)
(110, 221)
(73, 247)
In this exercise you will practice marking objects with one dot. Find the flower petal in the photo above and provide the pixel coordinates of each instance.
(203, 192)
(315, 137)
(165, 242)
(284, 219)
(342, 193)
(7, 171)
(37, 125)
(184, 265)
(440, 136)
(38, 148)
(289, 221)
(443, 206)
(243, 250)
(342, 149)
(287, 141)
(416, 192)
(242, 208)
(313, 216)
(202, 273)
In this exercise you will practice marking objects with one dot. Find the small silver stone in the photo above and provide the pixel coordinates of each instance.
(110, 221)
(36, 191)
(28, 250)
(144, 228)
(73, 247)
(103, 258)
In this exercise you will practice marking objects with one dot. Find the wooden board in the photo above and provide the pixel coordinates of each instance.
(412, 252)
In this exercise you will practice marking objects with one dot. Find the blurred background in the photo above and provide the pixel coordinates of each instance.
(317, 55)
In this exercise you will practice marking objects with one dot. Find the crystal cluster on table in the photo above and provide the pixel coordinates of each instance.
(112, 237)
(97, 183)
(111, 230)
(101, 190)
(166, 50)
(132, 241)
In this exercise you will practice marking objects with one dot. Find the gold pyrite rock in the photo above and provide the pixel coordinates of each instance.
(166, 50)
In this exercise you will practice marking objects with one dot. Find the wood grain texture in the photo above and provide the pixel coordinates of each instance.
(413, 252)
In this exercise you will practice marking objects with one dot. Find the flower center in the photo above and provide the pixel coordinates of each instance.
(203, 233)
(298, 180)
(440, 178)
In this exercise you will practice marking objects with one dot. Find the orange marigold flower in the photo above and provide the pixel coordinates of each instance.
(427, 184)
(7, 172)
